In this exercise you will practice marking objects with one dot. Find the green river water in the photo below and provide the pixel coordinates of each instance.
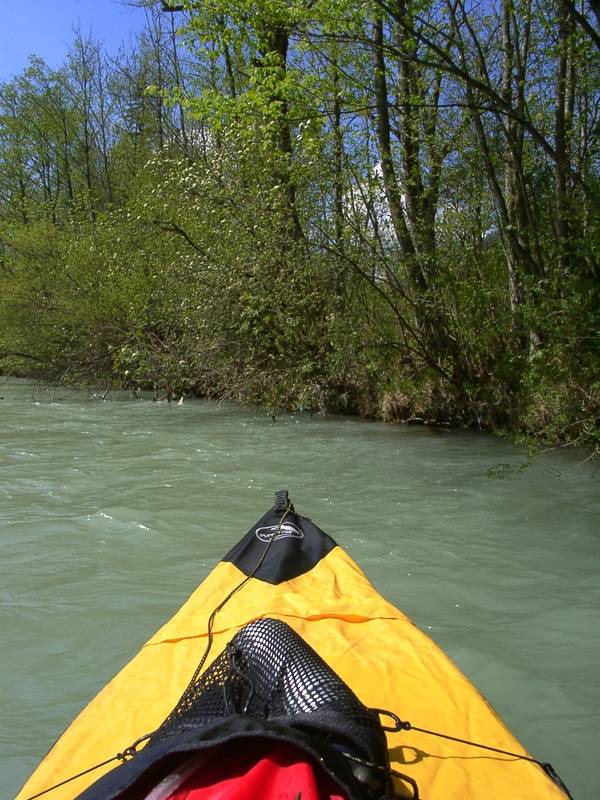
(111, 512)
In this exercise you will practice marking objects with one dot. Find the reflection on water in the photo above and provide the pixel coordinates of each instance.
(112, 512)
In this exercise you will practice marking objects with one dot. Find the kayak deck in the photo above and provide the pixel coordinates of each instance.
(386, 660)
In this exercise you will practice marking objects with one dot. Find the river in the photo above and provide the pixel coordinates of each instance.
(112, 511)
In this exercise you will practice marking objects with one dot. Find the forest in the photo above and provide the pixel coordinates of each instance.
(388, 208)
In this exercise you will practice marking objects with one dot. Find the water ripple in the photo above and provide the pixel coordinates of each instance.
(112, 512)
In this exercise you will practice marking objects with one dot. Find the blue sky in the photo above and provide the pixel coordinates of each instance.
(45, 28)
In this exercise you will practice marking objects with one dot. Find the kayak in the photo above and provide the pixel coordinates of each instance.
(442, 736)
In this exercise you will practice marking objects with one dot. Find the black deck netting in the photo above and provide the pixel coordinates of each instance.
(267, 671)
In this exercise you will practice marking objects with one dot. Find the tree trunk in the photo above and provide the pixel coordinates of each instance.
(390, 182)
(274, 39)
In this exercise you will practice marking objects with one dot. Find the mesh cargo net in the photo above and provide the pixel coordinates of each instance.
(269, 672)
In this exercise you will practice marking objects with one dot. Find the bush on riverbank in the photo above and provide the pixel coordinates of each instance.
(273, 223)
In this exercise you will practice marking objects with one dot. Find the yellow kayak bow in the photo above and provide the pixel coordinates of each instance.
(286, 568)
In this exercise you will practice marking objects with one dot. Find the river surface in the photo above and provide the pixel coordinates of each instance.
(112, 511)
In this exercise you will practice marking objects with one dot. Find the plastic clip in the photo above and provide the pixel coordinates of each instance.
(399, 724)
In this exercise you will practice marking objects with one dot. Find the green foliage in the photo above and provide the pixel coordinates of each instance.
(222, 223)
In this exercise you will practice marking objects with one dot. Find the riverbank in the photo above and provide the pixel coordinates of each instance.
(551, 416)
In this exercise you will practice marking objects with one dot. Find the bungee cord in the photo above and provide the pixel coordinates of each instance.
(405, 725)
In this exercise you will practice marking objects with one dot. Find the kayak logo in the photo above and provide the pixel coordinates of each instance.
(288, 531)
